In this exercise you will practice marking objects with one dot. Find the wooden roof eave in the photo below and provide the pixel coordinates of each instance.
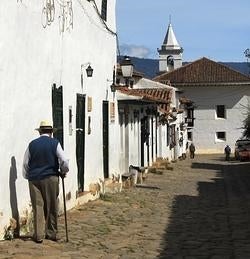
(127, 97)
(147, 97)
(133, 98)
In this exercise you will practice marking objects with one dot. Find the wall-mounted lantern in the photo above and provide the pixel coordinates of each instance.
(127, 68)
(89, 71)
(112, 87)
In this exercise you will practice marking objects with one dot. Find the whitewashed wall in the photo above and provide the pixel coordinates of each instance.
(236, 101)
(130, 135)
(32, 59)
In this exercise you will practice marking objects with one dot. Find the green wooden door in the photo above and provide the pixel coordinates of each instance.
(57, 112)
(80, 140)
(144, 139)
(105, 128)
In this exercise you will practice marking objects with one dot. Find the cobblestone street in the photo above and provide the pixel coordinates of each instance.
(201, 209)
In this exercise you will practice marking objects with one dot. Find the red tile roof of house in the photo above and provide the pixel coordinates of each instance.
(203, 72)
(161, 96)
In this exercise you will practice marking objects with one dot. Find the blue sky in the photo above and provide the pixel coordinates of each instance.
(216, 29)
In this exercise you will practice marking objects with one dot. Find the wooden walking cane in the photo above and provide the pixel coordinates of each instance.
(65, 212)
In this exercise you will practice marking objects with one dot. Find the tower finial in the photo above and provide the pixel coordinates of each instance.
(170, 19)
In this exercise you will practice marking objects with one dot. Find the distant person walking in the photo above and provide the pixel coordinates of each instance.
(42, 161)
(192, 150)
(227, 151)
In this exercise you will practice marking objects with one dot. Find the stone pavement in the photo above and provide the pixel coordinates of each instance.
(201, 209)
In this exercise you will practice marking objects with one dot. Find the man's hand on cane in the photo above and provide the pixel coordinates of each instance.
(62, 174)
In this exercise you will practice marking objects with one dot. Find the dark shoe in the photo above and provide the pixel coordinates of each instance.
(38, 241)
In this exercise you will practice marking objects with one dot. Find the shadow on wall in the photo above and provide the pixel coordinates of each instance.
(13, 195)
(215, 223)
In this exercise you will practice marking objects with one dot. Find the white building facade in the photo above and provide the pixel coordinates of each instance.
(148, 128)
(219, 115)
(45, 48)
(221, 98)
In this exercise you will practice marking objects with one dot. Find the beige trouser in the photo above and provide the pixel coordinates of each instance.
(43, 194)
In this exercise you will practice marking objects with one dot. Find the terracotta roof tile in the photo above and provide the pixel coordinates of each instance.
(161, 96)
(203, 71)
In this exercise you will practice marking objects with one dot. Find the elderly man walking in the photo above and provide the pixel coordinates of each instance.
(42, 161)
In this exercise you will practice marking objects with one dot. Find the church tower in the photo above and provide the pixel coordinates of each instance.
(170, 54)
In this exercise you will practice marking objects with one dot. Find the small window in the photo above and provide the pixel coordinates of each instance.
(221, 136)
(190, 117)
(190, 136)
(170, 60)
(220, 111)
(104, 10)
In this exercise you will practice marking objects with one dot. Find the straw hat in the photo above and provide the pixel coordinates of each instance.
(45, 125)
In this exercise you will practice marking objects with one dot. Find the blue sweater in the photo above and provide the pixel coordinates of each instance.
(43, 160)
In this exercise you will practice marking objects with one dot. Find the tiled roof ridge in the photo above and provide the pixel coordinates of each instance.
(218, 67)
(183, 66)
